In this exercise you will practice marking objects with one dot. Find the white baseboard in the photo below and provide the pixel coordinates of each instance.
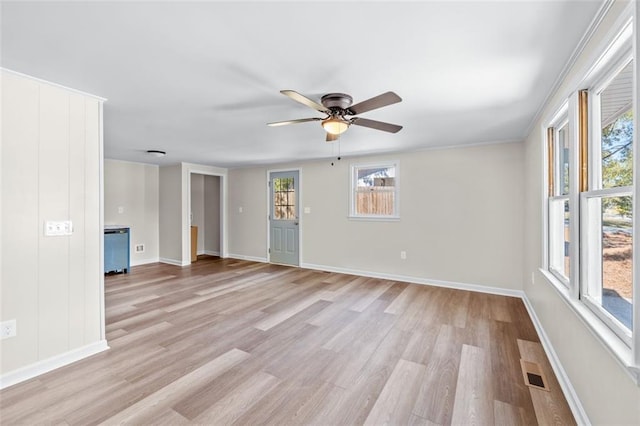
(144, 261)
(211, 253)
(251, 258)
(416, 280)
(174, 262)
(567, 388)
(40, 367)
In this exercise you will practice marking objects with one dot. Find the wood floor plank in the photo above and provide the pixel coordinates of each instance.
(507, 415)
(330, 349)
(394, 404)
(419, 421)
(378, 290)
(403, 300)
(549, 407)
(507, 385)
(473, 404)
(438, 390)
(287, 313)
(167, 396)
(235, 404)
(352, 404)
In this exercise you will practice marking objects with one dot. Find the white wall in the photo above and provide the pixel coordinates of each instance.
(170, 217)
(211, 236)
(205, 212)
(461, 217)
(606, 392)
(134, 187)
(248, 230)
(51, 170)
(198, 209)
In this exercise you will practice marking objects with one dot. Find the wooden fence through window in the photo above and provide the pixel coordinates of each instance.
(377, 201)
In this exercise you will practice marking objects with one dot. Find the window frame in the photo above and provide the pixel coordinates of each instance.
(610, 54)
(589, 268)
(559, 122)
(353, 182)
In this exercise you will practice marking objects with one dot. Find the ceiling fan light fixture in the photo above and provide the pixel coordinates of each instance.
(156, 153)
(335, 125)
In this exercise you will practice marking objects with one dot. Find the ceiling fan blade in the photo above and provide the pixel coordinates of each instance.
(376, 102)
(332, 138)
(378, 125)
(300, 120)
(304, 100)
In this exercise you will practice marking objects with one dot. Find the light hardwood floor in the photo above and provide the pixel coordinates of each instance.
(228, 341)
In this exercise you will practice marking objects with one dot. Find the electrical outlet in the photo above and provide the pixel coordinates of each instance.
(8, 329)
(120, 210)
(139, 248)
(403, 255)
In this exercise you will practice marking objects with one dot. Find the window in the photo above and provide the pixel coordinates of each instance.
(374, 191)
(589, 195)
(607, 285)
(559, 214)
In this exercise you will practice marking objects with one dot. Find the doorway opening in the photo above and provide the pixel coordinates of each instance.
(205, 215)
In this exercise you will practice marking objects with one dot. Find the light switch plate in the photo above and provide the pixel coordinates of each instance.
(56, 228)
(307, 210)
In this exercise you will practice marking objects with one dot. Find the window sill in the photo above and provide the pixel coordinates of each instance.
(620, 351)
(375, 218)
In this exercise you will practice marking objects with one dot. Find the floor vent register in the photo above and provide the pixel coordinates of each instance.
(533, 375)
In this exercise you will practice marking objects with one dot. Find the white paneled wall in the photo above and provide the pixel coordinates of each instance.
(51, 170)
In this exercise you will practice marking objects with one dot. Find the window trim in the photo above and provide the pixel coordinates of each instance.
(560, 120)
(594, 268)
(353, 185)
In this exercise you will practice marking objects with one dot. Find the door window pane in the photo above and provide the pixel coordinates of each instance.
(284, 199)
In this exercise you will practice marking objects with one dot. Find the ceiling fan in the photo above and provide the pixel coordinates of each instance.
(341, 114)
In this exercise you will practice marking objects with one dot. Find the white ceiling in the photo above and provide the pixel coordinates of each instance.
(201, 79)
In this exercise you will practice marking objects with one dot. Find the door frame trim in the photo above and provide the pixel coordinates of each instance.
(187, 170)
(300, 211)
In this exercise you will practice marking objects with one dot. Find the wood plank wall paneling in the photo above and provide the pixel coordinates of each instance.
(51, 145)
(235, 342)
(20, 155)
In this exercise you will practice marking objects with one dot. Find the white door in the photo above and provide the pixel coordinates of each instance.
(283, 218)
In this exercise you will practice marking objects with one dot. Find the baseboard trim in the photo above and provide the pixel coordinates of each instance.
(211, 253)
(567, 388)
(144, 261)
(251, 258)
(40, 367)
(174, 262)
(416, 280)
